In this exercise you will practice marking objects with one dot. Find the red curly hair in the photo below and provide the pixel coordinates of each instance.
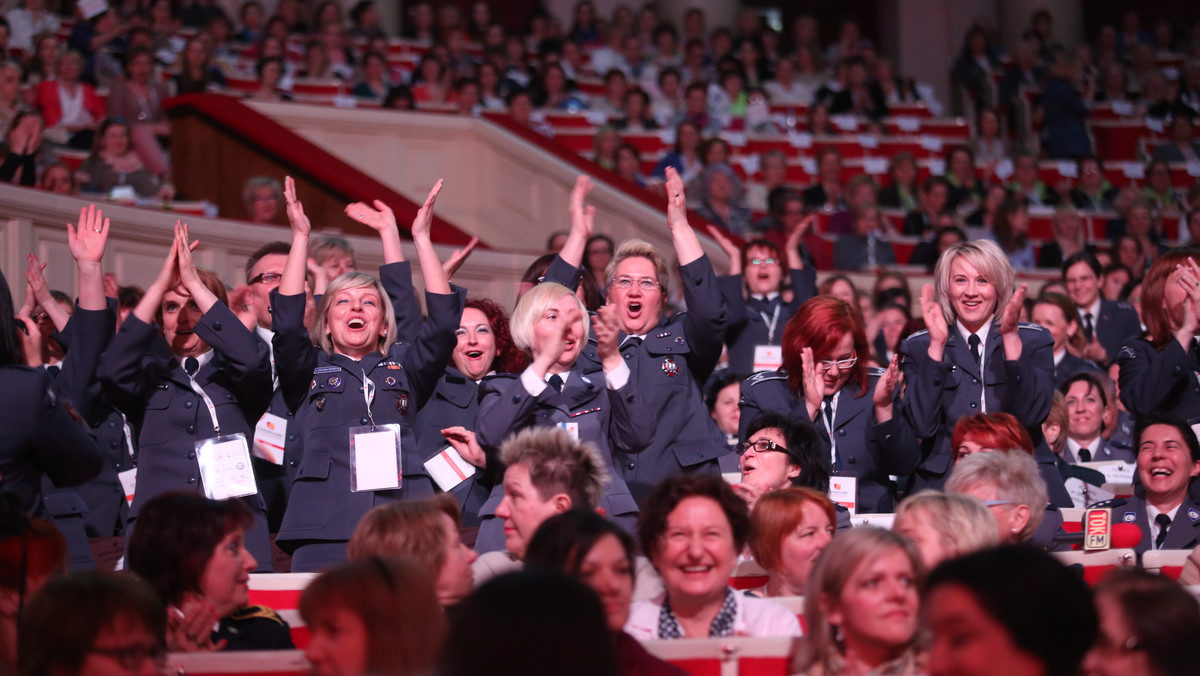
(509, 359)
(1000, 431)
(821, 323)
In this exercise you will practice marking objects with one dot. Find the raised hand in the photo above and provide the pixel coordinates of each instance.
(885, 390)
(190, 625)
(187, 266)
(792, 244)
(1188, 278)
(582, 215)
(422, 225)
(548, 350)
(1010, 321)
(676, 200)
(935, 323)
(607, 330)
(732, 250)
(36, 279)
(111, 285)
(456, 259)
(295, 210)
(31, 341)
(87, 240)
(463, 440)
(378, 217)
(813, 382)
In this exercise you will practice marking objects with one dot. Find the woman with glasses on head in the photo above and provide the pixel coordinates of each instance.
(825, 380)
(975, 355)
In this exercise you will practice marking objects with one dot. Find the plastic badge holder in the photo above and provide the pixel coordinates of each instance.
(225, 467)
(270, 435)
(375, 458)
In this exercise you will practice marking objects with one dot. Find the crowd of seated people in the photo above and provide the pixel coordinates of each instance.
(474, 476)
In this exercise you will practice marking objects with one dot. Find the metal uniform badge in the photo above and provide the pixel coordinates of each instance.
(313, 384)
(1129, 517)
(669, 367)
(402, 403)
(320, 403)
(334, 381)
(389, 381)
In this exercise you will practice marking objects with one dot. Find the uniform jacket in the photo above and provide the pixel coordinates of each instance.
(614, 420)
(668, 369)
(1071, 365)
(939, 393)
(455, 401)
(1184, 532)
(866, 449)
(747, 325)
(1117, 324)
(326, 394)
(1162, 381)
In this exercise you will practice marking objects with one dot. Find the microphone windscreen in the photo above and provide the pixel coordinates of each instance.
(1126, 535)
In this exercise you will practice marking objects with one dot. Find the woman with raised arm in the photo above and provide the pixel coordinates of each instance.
(600, 405)
(974, 356)
(192, 389)
(354, 388)
(826, 381)
(670, 357)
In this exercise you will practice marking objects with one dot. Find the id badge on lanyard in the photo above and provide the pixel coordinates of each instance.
(374, 451)
(224, 460)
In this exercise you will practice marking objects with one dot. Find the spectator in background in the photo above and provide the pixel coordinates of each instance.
(667, 98)
(59, 178)
(864, 249)
(1153, 614)
(860, 191)
(685, 156)
(197, 73)
(1011, 231)
(198, 13)
(30, 19)
(262, 195)
(933, 197)
(989, 145)
(1023, 73)
(966, 190)
(1064, 135)
(138, 98)
(721, 198)
(973, 68)
(901, 192)
(1026, 183)
(772, 175)
(616, 85)
(520, 110)
(365, 21)
(429, 84)
(827, 192)
(695, 108)
(554, 91)
(628, 164)
(1182, 147)
(375, 84)
(785, 89)
(1093, 192)
(252, 23)
(113, 162)
(100, 40)
(71, 108)
(41, 64)
(637, 116)
(270, 75)
(604, 147)
(980, 222)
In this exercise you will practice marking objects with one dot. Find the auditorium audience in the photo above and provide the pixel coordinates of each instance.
(790, 528)
(944, 525)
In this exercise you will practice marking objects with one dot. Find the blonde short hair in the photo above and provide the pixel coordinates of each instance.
(986, 257)
(962, 522)
(533, 305)
(558, 464)
(410, 529)
(636, 248)
(353, 280)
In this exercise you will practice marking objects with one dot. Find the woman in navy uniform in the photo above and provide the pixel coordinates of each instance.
(597, 405)
(1160, 371)
(355, 379)
(210, 351)
(43, 436)
(485, 346)
(974, 356)
(826, 380)
(757, 302)
(669, 357)
(1056, 313)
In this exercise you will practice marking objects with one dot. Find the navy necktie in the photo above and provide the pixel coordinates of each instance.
(1164, 523)
(974, 341)
(556, 382)
(191, 365)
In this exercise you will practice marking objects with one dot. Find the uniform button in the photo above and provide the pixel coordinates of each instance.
(668, 349)
(630, 465)
(975, 380)
(452, 397)
(291, 437)
(292, 463)
(187, 404)
(516, 398)
(112, 423)
(191, 480)
(841, 433)
(937, 383)
(974, 404)
(363, 421)
(191, 429)
(192, 455)
(629, 355)
(853, 461)
(216, 326)
(112, 444)
(229, 397)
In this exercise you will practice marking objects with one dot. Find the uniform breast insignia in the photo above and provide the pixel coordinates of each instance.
(585, 380)
(1127, 352)
(576, 414)
(334, 381)
(313, 384)
(391, 365)
(669, 367)
(320, 403)
(326, 369)
(402, 403)
(680, 340)
(1129, 517)
(664, 334)
(389, 381)
(1194, 515)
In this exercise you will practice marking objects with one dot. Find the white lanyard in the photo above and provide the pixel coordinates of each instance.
(771, 323)
(369, 396)
(208, 402)
(128, 433)
(829, 428)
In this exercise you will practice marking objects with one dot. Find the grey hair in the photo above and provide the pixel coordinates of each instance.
(1013, 475)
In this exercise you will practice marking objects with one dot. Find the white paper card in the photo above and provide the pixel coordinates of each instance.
(375, 458)
(1004, 169)
(1133, 170)
(1084, 494)
(736, 139)
(1193, 169)
(1155, 125)
(937, 167)
(932, 143)
(844, 491)
(875, 166)
(448, 469)
(910, 125)
(1068, 169)
(1114, 471)
(768, 357)
(595, 117)
(128, 480)
(269, 436)
(844, 122)
(1123, 108)
(225, 467)
(667, 136)
(800, 139)
(810, 165)
(868, 140)
(123, 193)
(750, 164)
(571, 428)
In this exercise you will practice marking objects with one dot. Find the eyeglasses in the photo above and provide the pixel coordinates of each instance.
(644, 283)
(40, 317)
(996, 503)
(267, 278)
(760, 446)
(763, 261)
(133, 656)
(842, 365)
